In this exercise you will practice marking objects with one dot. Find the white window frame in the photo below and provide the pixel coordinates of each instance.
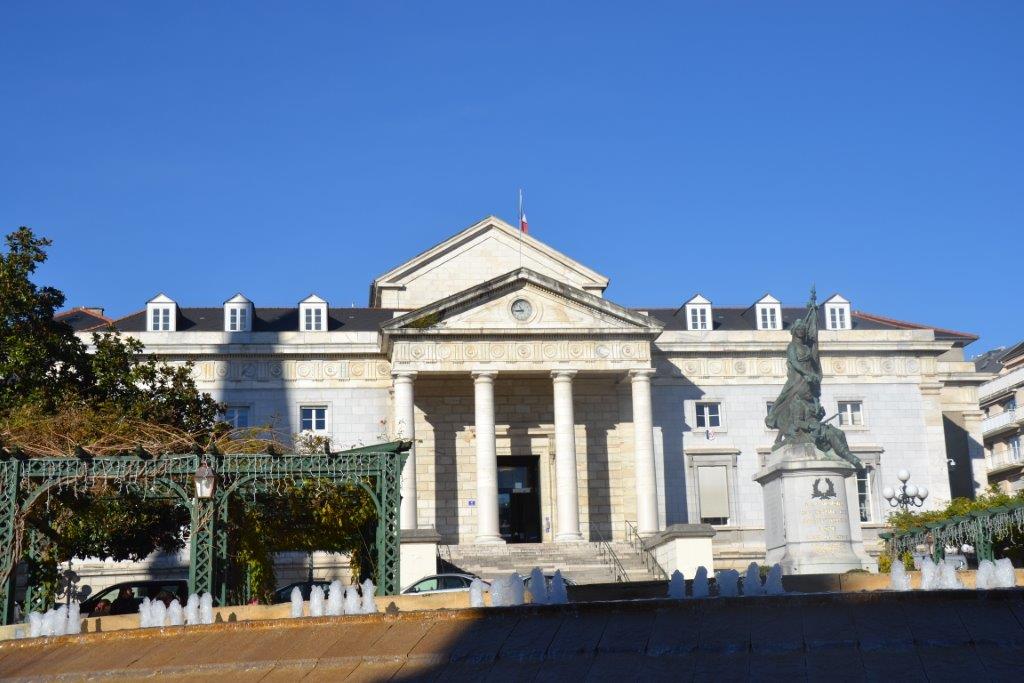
(698, 317)
(234, 422)
(161, 318)
(872, 492)
(1014, 449)
(769, 316)
(849, 418)
(698, 413)
(727, 458)
(313, 319)
(238, 318)
(837, 317)
(326, 418)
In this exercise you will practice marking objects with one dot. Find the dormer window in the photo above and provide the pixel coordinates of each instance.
(698, 313)
(837, 313)
(238, 314)
(312, 314)
(769, 313)
(161, 314)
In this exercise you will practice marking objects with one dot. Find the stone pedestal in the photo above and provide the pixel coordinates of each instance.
(417, 555)
(684, 547)
(808, 525)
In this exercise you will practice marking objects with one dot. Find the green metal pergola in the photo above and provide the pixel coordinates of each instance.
(980, 529)
(25, 481)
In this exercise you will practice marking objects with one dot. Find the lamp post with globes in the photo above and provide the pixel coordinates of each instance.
(908, 496)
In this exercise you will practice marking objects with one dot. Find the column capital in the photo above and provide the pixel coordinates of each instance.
(642, 373)
(483, 375)
(564, 374)
(403, 375)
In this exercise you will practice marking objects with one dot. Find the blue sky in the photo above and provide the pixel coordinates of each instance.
(874, 148)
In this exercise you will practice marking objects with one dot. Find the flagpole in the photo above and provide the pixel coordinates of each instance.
(519, 218)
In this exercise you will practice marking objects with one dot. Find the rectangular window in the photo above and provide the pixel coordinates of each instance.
(1015, 454)
(237, 416)
(769, 318)
(836, 318)
(850, 413)
(238, 319)
(161, 319)
(313, 320)
(768, 408)
(864, 494)
(313, 418)
(713, 494)
(698, 318)
(709, 415)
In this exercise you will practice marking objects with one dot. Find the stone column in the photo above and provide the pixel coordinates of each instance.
(487, 530)
(976, 449)
(565, 459)
(405, 429)
(643, 448)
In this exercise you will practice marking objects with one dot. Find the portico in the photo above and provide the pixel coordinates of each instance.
(523, 328)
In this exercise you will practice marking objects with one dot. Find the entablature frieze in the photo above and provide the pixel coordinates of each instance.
(269, 371)
(834, 366)
(519, 354)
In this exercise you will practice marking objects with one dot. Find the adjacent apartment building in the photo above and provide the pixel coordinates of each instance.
(1001, 399)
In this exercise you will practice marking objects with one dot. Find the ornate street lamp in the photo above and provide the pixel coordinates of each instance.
(205, 480)
(908, 496)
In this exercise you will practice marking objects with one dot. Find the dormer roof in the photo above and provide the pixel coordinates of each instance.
(313, 299)
(238, 299)
(161, 298)
(767, 299)
(836, 299)
(697, 299)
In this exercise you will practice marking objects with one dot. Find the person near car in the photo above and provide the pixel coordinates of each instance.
(101, 609)
(125, 602)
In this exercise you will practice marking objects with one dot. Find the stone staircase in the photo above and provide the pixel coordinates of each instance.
(582, 562)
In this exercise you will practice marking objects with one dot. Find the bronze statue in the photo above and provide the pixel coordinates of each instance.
(797, 413)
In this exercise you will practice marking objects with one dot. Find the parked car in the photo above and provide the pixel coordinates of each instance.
(285, 594)
(138, 591)
(441, 583)
(548, 578)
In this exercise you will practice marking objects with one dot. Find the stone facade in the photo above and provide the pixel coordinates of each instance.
(468, 343)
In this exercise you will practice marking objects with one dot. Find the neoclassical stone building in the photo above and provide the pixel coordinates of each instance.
(544, 412)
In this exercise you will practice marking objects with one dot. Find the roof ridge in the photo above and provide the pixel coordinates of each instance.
(911, 325)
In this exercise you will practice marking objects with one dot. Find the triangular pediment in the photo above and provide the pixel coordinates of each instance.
(522, 302)
(475, 255)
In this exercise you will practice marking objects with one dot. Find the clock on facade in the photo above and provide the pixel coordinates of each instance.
(521, 309)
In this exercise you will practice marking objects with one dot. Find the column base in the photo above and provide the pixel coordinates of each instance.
(569, 538)
(489, 540)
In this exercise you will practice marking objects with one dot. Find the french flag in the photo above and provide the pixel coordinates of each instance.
(523, 227)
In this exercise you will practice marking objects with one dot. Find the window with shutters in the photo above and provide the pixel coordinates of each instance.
(713, 494)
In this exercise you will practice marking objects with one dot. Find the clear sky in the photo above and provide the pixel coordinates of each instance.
(731, 148)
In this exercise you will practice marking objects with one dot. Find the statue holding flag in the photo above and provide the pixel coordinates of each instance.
(797, 413)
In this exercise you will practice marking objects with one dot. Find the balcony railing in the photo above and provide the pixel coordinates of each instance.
(1005, 459)
(1000, 384)
(1003, 420)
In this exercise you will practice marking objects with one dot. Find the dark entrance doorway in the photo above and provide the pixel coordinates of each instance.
(519, 499)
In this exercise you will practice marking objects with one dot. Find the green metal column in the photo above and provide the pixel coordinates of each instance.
(36, 599)
(220, 548)
(10, 470)
(202, 558)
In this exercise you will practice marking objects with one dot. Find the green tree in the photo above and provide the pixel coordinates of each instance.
(41, 359)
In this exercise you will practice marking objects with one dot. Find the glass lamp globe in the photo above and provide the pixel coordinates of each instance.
(903, 475)
(911, 490)
(888, 493)
(922, 492)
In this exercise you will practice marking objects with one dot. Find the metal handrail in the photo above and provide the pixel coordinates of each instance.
(649, 560)
(605, 551)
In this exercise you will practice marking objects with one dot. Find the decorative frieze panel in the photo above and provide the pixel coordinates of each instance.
(836, 367)
(275, 371)
(520, 354)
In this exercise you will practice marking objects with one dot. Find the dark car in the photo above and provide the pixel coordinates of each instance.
(285, 594)
(137, 590)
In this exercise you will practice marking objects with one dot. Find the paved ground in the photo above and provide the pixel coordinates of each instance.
(948, 635)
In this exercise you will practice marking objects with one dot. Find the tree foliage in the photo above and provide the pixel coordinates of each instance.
(57, 393)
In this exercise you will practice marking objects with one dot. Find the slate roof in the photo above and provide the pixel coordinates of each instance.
(264, 320)
(370, 320)
(745, 318)
(81, 318)
(990, 360)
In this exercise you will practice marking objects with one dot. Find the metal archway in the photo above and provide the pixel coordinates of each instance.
(24, 480)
